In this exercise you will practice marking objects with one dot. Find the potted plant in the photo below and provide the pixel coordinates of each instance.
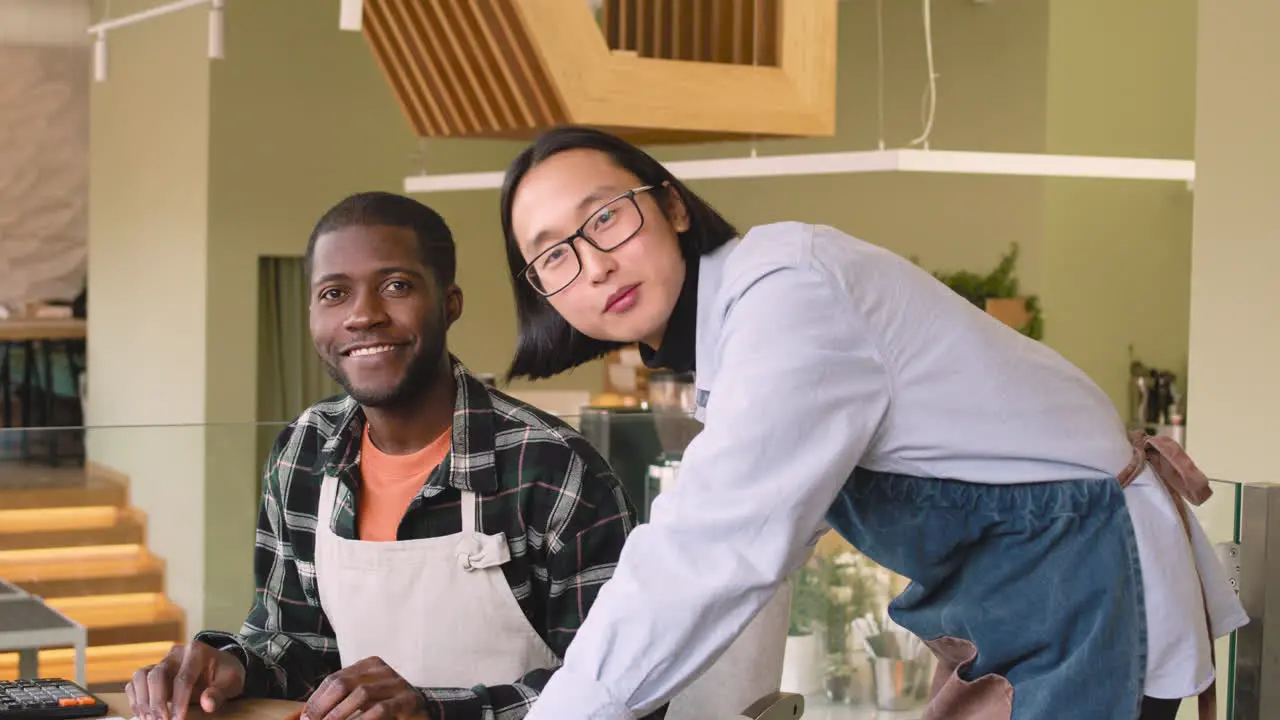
(802, 656)
(828, 592)
(997, 293)
(848, 593)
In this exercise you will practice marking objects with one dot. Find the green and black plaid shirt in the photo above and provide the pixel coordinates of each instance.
(562, 510)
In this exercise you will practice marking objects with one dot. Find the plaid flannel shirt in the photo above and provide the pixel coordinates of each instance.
(563, 511)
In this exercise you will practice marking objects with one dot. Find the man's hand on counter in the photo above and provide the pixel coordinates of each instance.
(188, 674)
(369, 687)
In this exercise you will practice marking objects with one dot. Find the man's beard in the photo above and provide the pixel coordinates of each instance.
(420, 375)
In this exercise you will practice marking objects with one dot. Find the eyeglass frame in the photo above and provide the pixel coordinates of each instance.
(629, 195)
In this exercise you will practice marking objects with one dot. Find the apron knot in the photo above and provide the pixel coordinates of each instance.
(476, 551)
(1171, 465)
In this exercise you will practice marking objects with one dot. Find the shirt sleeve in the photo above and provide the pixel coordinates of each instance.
(286, 643)
(799, 395)
(587, 520)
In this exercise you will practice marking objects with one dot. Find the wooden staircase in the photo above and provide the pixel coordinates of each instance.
(69, 536)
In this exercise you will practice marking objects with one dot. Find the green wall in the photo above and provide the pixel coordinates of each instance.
(301, 116)
(991, 96)
(1120, 83)
(202, 167)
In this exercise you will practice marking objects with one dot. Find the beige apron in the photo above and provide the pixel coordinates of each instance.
(439, 611)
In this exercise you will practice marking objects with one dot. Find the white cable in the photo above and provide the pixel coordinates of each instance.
(880, 71)
(755, 53)
(932, 90)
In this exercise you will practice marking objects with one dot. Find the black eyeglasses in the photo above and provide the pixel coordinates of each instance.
(613, 224)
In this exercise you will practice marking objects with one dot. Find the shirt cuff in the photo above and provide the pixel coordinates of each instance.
(576, 697)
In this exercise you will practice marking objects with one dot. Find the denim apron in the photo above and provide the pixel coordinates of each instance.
(1074, 645)
(1065, 550)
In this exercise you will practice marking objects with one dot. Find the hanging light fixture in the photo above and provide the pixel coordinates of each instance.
(100, 57)
(351, 15)
(99, 31)
(217, 29)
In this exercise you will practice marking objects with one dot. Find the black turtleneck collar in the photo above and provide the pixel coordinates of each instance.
(679, 341)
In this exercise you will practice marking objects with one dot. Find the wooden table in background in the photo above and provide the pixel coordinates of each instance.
(35, 330)
(236, 710)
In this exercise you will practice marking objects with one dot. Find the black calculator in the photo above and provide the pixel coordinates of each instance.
(47, 699)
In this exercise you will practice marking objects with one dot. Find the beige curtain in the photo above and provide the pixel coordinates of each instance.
(44, 172)
(290, 376)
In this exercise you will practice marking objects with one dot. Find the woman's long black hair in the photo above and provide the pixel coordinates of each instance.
(547, 345)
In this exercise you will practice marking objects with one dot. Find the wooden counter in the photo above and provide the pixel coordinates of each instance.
(29, 330)
(236, 710)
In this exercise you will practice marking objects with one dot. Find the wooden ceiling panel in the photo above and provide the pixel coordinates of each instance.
(661, 70)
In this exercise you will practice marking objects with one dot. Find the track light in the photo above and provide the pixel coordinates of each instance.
(100, 57)
(351, 15)
(217, 29)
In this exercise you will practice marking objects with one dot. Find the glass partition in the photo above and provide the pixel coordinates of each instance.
(144, 535)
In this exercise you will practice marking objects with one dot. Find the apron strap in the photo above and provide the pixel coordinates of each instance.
(1184, 482)
(1171, 464)
(468, 506)
(476, 551)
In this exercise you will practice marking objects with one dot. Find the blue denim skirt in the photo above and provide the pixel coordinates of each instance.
(1043, 579)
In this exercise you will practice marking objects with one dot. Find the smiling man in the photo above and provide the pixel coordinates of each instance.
(426, 546)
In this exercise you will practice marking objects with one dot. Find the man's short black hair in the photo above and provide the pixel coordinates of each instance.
(367, 209)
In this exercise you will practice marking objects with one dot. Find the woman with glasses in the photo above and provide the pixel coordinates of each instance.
(1055, 573)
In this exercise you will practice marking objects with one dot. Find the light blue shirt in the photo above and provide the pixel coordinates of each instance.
(816, 353)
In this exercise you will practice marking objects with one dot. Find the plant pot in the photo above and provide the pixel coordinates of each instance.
(1010, 311)
(802, 665)
(838, 687)
(862, 677)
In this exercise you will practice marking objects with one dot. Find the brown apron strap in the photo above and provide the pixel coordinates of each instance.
(1171, 464)
(1185, 483)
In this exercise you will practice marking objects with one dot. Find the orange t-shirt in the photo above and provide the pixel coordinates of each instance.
(388, 483)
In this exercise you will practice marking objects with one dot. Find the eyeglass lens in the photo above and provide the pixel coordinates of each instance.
(609, 227)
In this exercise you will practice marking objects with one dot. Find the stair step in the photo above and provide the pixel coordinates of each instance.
(23, 487)
(124, 619)
(98, 570)
(70, 527)
(104, 664)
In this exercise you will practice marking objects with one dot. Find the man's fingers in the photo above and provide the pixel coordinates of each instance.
(380, 711)
(128, 693)
(188, 679)
(138, 693)
(158, 691)
(211, 700)
(331, 692)
(358, 699)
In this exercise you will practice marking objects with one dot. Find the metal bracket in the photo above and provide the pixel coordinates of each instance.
(1229, 556)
